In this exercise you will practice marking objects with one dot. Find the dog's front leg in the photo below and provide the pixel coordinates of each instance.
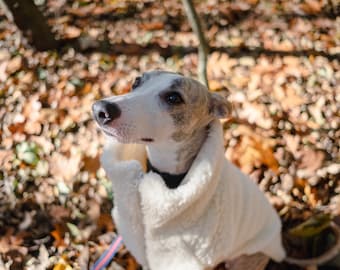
(125, 177)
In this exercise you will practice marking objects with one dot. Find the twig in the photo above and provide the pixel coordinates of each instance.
(327, 256)
(203, 48)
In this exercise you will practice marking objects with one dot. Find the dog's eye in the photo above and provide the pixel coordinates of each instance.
(137, 82)
(173, 98)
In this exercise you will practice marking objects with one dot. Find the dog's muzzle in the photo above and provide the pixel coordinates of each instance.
(105, 112)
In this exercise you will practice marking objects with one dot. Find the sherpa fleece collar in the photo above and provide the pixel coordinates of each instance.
(197, 187)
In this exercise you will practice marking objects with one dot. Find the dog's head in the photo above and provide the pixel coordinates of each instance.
(161, 106)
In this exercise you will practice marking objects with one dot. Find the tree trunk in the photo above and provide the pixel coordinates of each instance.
(203, 48)
(31, 22)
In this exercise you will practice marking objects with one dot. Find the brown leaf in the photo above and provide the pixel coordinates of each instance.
(252, 151)
(91, 164)
(6, 157)
(58, 235)
(14, 64)
(62, 266)
(215, 85)
(11, 241)
(151, 26)
(311, 161)
(72, 32)
(58, 212)
(86, 89)
(64, 167)
(311, 6)
(312, 195)
(256, 113)
(292, 143)
(93, 211)
(3, 74)
(18, 127)
(82, 11)
(288, 97)
(105, 222)
(33, 127)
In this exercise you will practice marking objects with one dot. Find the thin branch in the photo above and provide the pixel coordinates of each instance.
(325, 257)
(203, 49)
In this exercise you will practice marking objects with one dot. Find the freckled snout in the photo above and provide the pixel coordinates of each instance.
(105, 112)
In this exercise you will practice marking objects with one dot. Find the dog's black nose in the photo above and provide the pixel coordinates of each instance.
(104, 111)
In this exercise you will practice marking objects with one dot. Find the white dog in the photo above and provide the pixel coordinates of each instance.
(178, 203)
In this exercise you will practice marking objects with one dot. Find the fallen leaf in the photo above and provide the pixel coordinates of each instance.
(3, 73)
(91, 164)
(292, 143)
(288, 97)
(14, 64)
(252, 151)
(313, 226)
(311, 6)
(310, 161)
(11, 241)
(72, 32)
(105, 222)
(59, 213)
(63, 167)
(152, 26)
(58, 235)
(62, 266)
(6, 158)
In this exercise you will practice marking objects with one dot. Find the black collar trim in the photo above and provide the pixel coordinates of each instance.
(172, 181)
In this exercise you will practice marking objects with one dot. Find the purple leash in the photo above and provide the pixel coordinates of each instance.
(108, 255)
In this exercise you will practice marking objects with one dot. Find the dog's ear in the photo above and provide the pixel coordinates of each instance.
(219, 106)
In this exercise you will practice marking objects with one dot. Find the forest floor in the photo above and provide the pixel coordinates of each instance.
(279, 61)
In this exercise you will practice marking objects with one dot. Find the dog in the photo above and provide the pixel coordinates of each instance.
(178, 203)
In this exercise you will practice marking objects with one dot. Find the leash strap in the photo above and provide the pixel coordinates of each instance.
(108, 255)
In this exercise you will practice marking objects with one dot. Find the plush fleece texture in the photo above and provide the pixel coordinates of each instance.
(216, 214)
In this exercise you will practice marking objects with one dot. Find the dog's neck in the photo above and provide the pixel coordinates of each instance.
(176, 157)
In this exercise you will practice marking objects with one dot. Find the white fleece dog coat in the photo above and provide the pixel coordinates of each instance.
(215, 214)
